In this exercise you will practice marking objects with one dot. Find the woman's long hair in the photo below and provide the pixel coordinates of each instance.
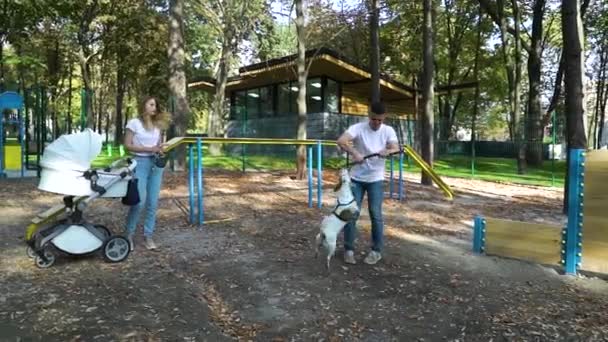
(161, 118)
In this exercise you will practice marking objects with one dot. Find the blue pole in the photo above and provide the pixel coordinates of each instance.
(191, 181)
(319, 174)
(571, 243)
(199, 178)
(390, 184)
(479, 235)
(309, 162)
(401, 194)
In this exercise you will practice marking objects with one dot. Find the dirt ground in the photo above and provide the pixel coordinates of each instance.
(250, 274)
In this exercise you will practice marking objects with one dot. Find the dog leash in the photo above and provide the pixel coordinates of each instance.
(372, 156)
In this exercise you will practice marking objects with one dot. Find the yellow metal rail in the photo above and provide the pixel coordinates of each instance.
(173, 143)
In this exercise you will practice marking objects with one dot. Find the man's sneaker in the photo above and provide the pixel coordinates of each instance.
(131, 244)
(149, 243)
(372, 258)
(349, 257)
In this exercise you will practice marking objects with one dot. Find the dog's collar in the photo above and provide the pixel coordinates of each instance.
(342, 205)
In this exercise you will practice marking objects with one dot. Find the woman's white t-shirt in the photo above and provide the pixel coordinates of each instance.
(367, 141)
(143, 137)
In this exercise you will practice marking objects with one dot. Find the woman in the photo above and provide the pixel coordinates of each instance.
(143, 138)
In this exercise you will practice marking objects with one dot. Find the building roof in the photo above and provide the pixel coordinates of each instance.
(323, 62)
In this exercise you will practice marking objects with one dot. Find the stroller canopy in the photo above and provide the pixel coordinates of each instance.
(72, 151)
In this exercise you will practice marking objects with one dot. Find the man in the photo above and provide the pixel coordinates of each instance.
(368, 175)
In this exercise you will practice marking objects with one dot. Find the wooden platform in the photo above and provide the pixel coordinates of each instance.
(595, 219)
(539, 243)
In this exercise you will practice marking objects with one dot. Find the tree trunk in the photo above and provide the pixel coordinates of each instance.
(121, 84)
(302, 76)
(518, 127)
(216, 116)
(477, 88)
(427, 136)
(600, 96)
(177, 78)
(572, 30)
(69, 113)
(374, 50)
(534, 129)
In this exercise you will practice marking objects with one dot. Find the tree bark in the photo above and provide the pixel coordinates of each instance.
(572, 31)
(302, 76)
(374, 50)
(121, 84)
(216, 117)
(518, 127)
(428, 85)
(177, 78)
(534, 129)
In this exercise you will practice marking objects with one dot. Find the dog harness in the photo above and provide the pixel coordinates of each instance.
(345, 215)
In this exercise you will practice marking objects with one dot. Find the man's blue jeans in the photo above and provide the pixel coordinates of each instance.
(375, 196)
(149, 180)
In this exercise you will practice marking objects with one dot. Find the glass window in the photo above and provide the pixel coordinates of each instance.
(238, 108)
(283, 99)
(266, 101)
(332, 93)
(253, 103)
(314, 99)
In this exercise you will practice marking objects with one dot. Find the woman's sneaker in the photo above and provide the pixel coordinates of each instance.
(130, 239)
(372, 258)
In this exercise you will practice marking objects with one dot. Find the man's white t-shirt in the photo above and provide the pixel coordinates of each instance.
(367, 141)
(143, 137)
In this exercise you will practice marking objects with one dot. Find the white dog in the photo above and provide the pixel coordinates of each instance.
(345, 210)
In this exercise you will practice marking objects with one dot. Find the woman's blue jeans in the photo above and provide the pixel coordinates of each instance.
(149, 181)
(375, 196)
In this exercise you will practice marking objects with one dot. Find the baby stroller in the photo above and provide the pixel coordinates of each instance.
(65, 169)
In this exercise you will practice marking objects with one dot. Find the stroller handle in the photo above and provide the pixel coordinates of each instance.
(131, 164)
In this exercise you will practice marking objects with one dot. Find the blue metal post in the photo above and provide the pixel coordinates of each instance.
(391, 180)
(309, 162)
(479, 235)
(191, 181)
(571, 243)
(319, 174)
(401, 194)
(199, 151)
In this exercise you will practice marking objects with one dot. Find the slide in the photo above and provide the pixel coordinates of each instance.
(426, 168)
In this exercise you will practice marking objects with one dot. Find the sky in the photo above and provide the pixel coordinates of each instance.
(280, 11)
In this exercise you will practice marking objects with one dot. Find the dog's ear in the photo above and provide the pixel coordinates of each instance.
(339, 184)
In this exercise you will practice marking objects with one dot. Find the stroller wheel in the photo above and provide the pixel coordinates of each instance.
(30, 252)
(116, 249)
(106, 231)
(50, 259)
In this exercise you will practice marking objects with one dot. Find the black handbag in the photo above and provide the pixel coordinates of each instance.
(160, 160)
(132, 196)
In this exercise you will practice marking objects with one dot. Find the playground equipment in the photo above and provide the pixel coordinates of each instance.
(195, 184)
(11, 149)
(554, 245)
(195, 144)
(66, 170)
